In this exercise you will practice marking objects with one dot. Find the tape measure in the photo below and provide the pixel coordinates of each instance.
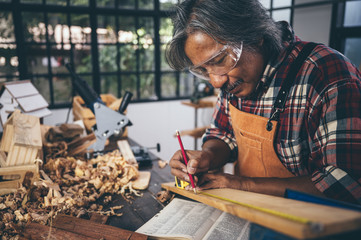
(180, 183)
(314, 226)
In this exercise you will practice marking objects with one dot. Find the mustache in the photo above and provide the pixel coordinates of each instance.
(229, 87)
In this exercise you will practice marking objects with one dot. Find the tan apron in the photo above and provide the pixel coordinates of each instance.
(255, 134)
(256, 154)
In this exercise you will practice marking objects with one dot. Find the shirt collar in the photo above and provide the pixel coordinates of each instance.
(289, 39)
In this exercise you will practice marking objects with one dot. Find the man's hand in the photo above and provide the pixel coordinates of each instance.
(222, 180)
(197, 163)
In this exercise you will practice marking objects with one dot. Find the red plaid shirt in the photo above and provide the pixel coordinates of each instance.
(320, 130)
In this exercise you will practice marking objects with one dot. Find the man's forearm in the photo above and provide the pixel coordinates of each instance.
(218, 151)
(277, 186)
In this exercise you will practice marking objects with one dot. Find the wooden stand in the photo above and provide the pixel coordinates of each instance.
(197, 132)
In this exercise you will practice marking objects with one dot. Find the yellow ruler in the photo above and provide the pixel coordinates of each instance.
(266, 210)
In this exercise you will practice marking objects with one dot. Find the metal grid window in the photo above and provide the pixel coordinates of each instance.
(115, 45)
(118, 45)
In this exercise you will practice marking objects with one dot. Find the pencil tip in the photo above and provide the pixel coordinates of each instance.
(177, 132)
(194, 190)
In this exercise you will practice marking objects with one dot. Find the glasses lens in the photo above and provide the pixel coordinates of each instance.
(220, 64)
(200, 72)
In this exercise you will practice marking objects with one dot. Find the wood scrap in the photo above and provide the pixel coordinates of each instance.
(64, 132)
(71, 228)
(162, 163)
(127, 152)
(70, 186)
(142, 181)
(21, 140)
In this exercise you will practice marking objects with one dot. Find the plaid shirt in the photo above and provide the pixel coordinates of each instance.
(319, 132)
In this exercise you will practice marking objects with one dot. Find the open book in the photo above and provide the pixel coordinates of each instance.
(184, 219)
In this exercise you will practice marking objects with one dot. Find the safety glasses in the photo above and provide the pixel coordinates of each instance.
(220, 63)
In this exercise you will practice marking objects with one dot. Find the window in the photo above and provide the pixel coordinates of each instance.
(116, 46)
(346, 34)
(312, 20)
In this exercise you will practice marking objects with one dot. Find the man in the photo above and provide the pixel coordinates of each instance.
(288, 113)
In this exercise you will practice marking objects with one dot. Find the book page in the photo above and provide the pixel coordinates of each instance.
(229, 227)
(181, 219)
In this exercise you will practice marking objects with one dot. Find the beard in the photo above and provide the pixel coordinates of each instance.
(229, 87)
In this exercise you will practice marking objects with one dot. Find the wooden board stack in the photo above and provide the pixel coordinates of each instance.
(21, 145)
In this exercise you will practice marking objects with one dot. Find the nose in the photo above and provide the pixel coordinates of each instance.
(218, 81)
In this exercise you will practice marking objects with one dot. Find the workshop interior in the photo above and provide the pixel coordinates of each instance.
(91, 114)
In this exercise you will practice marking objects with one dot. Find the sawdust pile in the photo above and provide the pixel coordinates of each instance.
(69, 186)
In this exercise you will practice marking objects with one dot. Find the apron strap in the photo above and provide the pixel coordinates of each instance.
(281, 98)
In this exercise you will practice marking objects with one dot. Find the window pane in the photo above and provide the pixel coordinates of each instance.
(280, 15)
(106, 3)
(352, 14)
(128, 58)
(108, 58)
(79, 2)
(128, 4)
(80, 29)
(146, 29)
(146, 58)
(109, 84)
(58, 29)
(42, 84)
(31, 1)
(281, 3)
(59, 57)
(127, 33)
(34, 27)
(56, 2)
(8, 57)
(169, 85)
(186, 85)
(165, 32)
(7, 34)
(163, 63)
(129, 83)
(8, 60)
(266, 3)
(353, 50)
(167, 4)
(82, 58)
(147, 86)
(36, 59)
(106, 30)
(146, 4)
(62, 89)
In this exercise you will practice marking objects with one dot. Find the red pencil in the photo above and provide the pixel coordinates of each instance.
(185, 160)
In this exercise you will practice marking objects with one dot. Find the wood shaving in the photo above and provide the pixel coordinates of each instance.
(69, 186)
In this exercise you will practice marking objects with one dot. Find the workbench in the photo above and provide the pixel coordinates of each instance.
(143, 208)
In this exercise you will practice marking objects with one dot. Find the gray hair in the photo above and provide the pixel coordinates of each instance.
(229, 21)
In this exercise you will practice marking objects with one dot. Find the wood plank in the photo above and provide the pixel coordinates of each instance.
(27, 130)
(39, 231)
(325, 220)
(12, 156)
(127, 152)
(142, 182)
(7, 138)
(93, 229)
(16, 174)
